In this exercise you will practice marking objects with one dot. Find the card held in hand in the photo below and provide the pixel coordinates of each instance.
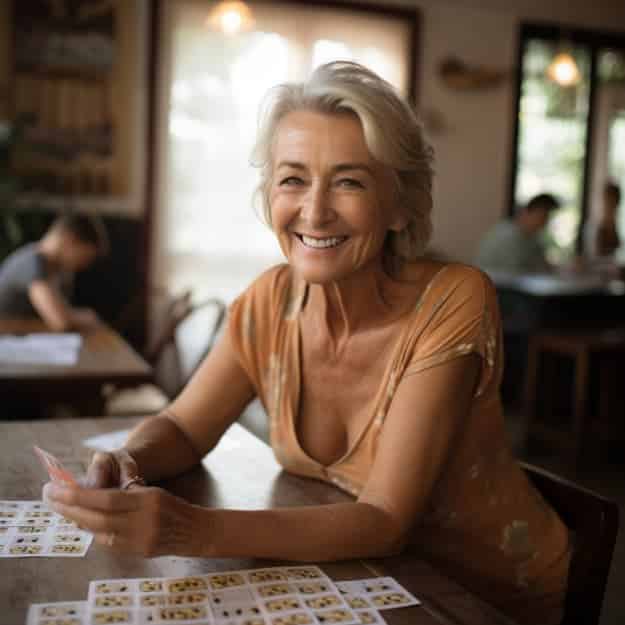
(57, 472)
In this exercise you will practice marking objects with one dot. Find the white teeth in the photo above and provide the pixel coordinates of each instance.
(321, 243)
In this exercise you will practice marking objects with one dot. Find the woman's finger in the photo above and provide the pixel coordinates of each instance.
(107, 500)
(91, 520)
(102, 471)
(127, 466)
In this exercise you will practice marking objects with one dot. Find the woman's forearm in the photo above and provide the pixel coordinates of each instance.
(161, 449)
(310, 533)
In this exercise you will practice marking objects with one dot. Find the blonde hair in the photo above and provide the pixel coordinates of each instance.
(392, 132)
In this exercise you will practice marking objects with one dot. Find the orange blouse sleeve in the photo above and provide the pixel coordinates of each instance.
(253, 320)
(459, 316)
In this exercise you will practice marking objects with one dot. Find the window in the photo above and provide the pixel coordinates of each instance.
(568, 139)
(208, 234)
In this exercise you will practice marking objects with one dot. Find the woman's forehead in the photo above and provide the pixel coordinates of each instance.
(308, 134)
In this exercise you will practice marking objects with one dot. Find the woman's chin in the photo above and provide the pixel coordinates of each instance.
(315, 273)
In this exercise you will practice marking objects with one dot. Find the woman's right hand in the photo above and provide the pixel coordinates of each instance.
(111, 469)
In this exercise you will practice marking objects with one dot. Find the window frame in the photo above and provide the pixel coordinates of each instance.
(595, 41)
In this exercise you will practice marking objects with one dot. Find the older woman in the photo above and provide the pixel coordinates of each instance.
(379, 371)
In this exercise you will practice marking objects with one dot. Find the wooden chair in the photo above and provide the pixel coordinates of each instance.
(580, 345)
(593, 521)
(186, 334)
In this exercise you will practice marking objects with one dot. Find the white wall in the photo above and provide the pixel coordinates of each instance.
(473, 152)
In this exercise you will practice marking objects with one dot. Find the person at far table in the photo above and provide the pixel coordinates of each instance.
(514, 244)
(379, 370)
(35, 278)
(602, 236)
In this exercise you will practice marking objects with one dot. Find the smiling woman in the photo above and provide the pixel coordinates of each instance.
(379, 371)
(331, 203)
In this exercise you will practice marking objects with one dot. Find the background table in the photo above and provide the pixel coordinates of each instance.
(535, 302)
(240, 473)
(105, 358)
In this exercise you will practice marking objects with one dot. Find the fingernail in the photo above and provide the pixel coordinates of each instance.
(48, 492)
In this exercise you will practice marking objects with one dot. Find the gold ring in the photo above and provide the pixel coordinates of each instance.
(110, 539)
(137, 479)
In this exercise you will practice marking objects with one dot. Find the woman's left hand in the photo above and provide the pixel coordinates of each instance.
(147, 521)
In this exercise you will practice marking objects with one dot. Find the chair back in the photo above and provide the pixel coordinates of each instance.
(593, 521)
(196, 335)
(177, 309)
(185, 334)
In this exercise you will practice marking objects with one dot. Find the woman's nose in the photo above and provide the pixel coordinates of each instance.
(316, 208)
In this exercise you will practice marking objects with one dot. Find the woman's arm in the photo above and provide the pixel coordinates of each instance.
(426, 416)
(172, 442)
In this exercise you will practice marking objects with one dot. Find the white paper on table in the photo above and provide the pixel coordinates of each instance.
(107, 442)
(41, 349)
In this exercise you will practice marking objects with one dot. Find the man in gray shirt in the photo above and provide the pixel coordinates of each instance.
(34, 278)
(513, 244)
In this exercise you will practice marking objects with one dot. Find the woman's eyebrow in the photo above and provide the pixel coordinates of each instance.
(351, 166)
(341, 167)
(290, 165)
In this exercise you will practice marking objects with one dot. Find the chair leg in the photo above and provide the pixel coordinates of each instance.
(580, 402)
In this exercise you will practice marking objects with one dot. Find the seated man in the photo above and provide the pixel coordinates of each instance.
(514, 244)
(35, 277)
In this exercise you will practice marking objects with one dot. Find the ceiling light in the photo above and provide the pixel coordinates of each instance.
(563, 70)
(230, 17)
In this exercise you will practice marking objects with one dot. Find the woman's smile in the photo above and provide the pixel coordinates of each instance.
(321, 243)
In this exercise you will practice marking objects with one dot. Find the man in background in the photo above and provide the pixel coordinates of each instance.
(35, 279)
(602, 238)
(514, 244)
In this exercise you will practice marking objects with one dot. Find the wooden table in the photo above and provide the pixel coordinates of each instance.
(104, 358)
(240, 473)
(535, 302)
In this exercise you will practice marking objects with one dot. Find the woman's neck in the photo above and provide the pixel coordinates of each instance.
(339, 310)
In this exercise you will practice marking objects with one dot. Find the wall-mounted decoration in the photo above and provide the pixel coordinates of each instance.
(64, 54)
(456, 74)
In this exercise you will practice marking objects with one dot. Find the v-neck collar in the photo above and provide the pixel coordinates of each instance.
(294, 392)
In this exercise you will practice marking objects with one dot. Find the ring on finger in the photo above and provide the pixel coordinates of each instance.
(137, 479)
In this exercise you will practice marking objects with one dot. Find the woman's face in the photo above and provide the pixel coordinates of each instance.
(331, 202)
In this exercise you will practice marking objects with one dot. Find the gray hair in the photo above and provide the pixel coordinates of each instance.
(392, 132)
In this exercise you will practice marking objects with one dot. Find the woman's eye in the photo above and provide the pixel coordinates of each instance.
(291, 181)
(351, 183)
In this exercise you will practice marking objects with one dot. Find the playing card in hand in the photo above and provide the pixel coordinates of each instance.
(57, 472)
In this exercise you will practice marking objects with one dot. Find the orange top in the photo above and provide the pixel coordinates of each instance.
(485, 525)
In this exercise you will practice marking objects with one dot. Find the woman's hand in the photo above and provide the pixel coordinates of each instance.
(146, 521)
(111, 469)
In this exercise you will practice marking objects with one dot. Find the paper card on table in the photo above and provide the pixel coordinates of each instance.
(294, 618)
(57, 472)
(149, 600)
(20, 542)
(225, 598)
(370, 617)
(40, 349)
(30, 528)
(65, 613)
(381, 593)
(275, 589)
